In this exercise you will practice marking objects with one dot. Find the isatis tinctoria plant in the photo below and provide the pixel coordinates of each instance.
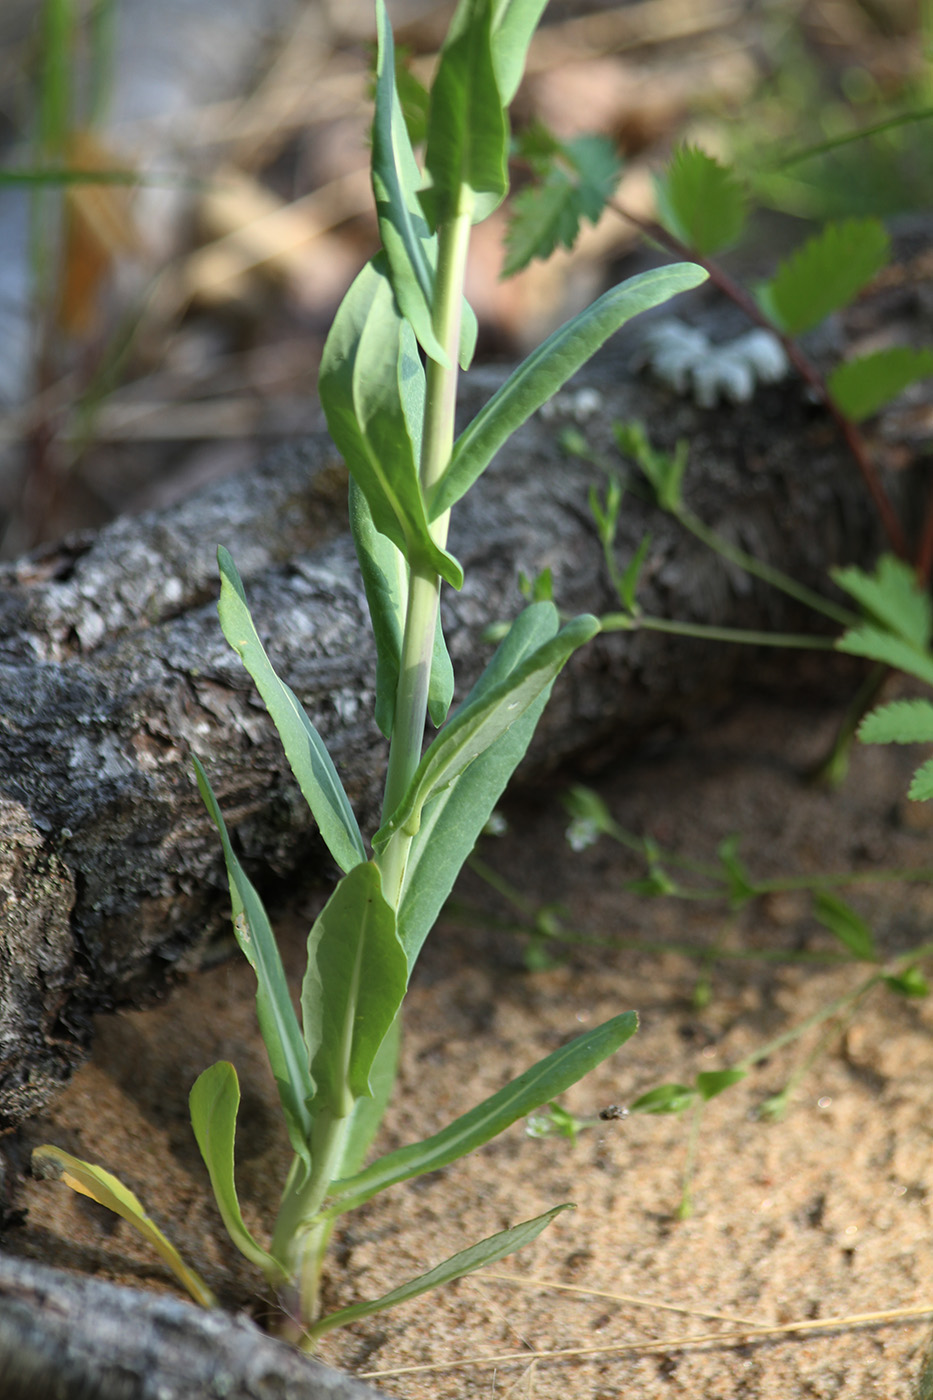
(388, 385)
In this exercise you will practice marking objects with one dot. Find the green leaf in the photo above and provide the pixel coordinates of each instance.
(862, 386)
(909, 983)
(664, 470)
(410, 246)
(700, 201)
(711, 1082)
(666, 1098)
(479, 723)
(214, 1102)
(369, 1111)
(549, 367)
(513, 25)
(892, 597)
(740, 887)
(627, 582)
(385, 579)
(278, 1023)
(107, 1190)
(467, 143)
(352, 989)
(452, 821)
(876, 645)
(371, 385)
(488, 1251)
(900, 722)
(826, 274)
(547, 214)
(848, 926)
(921, 787)
(538, 1085)
(308, 758)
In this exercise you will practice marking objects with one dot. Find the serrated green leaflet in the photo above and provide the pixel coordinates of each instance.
(467, 144)
(876, 645)
(308, 758)
(370, 375)
(410, 246)
(700, 202)
(825, 274)
(861, 387)
(891, 595)
(547, 369)
(476, 726)
(900, 722)
(352, 989)
(101, 1186)
(488, 1251)
(921, 786)
(542, 216)
(452, 821)
(214, 1102)
(277, 1020)
(548, 1078)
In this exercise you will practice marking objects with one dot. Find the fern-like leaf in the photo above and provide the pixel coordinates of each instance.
(863, 386)
(827, 273)
(892, 597)
(575, 181)
(900, 722)
(700, 201)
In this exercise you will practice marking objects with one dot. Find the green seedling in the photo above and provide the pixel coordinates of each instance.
(388, 386)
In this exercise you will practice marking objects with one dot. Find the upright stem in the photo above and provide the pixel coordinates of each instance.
(411, 702)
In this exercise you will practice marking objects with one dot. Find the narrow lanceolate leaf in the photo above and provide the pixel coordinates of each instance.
(826, 274)
(385, 579)
(549, 367)
(371, 384)
(352, 990)
(700, 201)
(544, 1081)
(107, 1190)
(213, 1103)
(891, 595)
(369, 1111)
(847, 925)
(861, 387)
(488, 1251)
(452, 821)
(304, 748)
(900, 722)
(577, 186)
(277, 1020)
(476, 726)
(410, 246)
(467, 146)
(513, 25)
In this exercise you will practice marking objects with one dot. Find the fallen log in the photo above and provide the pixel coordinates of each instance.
(113, 671)
(68, 1337)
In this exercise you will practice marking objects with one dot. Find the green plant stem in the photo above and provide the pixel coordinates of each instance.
(766, 572)
(627, 622)
(453, 239)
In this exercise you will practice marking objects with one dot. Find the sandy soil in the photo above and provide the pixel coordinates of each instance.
(823, 1215)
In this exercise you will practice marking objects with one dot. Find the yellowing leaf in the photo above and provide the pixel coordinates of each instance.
(107, 1190)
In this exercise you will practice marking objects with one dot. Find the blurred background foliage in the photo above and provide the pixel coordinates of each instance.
(184, 199)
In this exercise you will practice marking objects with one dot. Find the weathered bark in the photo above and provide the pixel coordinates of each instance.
(113, 671)
(69, 1337)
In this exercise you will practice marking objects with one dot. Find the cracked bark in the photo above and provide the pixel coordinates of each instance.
(113, 671)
